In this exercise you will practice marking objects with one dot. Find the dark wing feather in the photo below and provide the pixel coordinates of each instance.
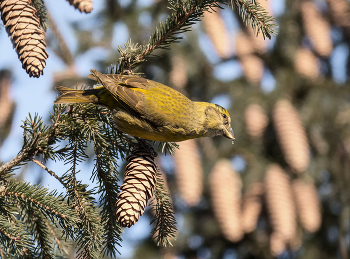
(128, 90)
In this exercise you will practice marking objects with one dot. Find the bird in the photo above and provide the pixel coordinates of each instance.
(150, 110)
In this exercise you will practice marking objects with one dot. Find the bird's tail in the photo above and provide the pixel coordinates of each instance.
(77, 96)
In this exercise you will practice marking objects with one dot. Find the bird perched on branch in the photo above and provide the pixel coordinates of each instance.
(150, 110)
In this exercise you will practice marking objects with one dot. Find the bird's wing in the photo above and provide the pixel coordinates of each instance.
(128, 90)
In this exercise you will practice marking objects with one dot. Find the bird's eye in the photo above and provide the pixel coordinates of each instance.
(224, 116)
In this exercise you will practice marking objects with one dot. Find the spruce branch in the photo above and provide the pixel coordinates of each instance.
(165, 223)
(186, 13)
(254, 14)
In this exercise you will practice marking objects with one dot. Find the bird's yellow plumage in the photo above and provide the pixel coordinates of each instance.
(150, 110)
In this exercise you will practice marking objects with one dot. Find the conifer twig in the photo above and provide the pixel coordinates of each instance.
(52, 173)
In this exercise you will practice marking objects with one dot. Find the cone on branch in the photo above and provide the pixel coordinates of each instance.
(259, 43)
(252, 205)
(253, 66)
(23, 26)
(178, 73)
(189, 172)
(225, 189)
(317, 28)
(6, 103)
(137, 188)
(256, 121)
(291, 135)
(308, 205)
(217, 32)
(340, 13)
(84, 6)
(280, 206)
(306, 63)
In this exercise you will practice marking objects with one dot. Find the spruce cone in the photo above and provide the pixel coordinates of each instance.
(340, 12)
(306, 64)
(291, 135)
(27, 37)
(280, 204)
(255, 120)
(225, 189)
(216, 30)
(189, 172)
(137, 187)
(6, 103)
(308, 205)
(277, 244)
(178, 73)
(84, 6)
(317, 28)
(259, 43)
(252, 205)
(252, 66)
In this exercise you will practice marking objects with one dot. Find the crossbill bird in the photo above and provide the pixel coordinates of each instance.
(150, 110)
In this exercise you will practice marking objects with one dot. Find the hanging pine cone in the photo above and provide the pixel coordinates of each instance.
(291, 135)
(225, 188)
(178, 73)
(255, 120)
(308, 205)
(217, 32)
(306, 63)
(252, 66)
(252, 205)
(84, 6)
(137, 188)
(340, 12)
(280, 205)
(317, 28)
(189, 172)
(6, 103)
(259, 42)
(27, 37)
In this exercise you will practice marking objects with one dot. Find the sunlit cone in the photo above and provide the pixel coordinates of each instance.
(277, 244)
(280, 203)
(137, 188)
(306, 63)
(225, 189)
(253, 66)
(252, 205)
(216, 29)
(84, 6)
(317, 28)
(6, 103)
(291, 135)
(255, 120)
(23, 26)
(259, 43)
(189, 172)
(209, 149)
(244, 45)
(178, 73)
(340, 12)
(308, 205)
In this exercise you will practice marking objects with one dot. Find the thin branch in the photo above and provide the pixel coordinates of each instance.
(52, 173)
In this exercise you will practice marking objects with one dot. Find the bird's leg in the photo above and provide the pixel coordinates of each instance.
(143, 144)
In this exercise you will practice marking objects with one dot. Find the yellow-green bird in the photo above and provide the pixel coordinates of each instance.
(146, 109)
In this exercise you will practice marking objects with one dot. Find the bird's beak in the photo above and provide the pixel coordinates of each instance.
(228, 133)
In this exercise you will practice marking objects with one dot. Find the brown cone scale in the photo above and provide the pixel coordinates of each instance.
(137, 188)
(84, 6)
(27, 37)
(225, 188)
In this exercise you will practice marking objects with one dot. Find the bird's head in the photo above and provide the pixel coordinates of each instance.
(218, 121)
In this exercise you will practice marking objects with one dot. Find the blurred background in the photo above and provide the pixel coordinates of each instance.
(283, 189)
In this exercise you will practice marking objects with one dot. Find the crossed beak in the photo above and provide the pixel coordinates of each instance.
(228, 133)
